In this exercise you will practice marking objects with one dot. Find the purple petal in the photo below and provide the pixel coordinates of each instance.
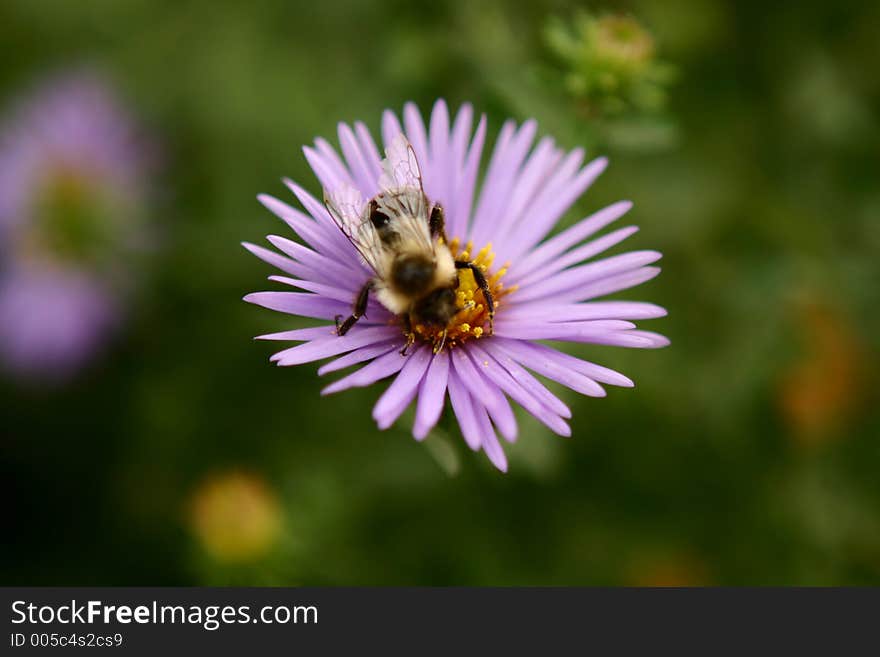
(657, 341)
(484, 390)
(569, 237)
(375, 310)
(415, 132)
(489, 441)
(502, 415)
(492, 179)
(527, 381)
(557, 184)
(329, 175)
(498, 375)
(390, 127)
(299, 335)
(368, 148)
(439, 187)
(403, 389)
(471, 377)
(357, 163)
(321, 215)
(538, 329)
(575, 256)
(500, 183)
(545, 366)
(458, 143)
(464, 193)
(613, 284)
(537, 169)
(593, 371)
(331, 243)
(333, 161)
(590, 332)
(581, 276)
(542, 218)
(602, 287)
(320, 267)
(333, 345)
(590, 310)
(304, 226)
(432, 395)
(359, 356)
(276, 260)
(376, 370)
(463, 407)
(298, 303)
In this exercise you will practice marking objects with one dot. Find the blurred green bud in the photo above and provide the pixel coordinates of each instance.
(608, 63)
(621, 41)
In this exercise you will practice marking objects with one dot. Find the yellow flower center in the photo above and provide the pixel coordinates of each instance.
(472, 319)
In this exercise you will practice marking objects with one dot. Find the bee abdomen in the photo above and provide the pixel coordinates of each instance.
(412, 274)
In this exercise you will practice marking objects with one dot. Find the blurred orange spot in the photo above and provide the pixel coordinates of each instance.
(819, 391)
(669, 571)
(235, 516)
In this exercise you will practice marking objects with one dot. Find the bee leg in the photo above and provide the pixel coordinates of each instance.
(360, 310)
(483, 284)
(439, 347)
(437, 223)
(410, 336)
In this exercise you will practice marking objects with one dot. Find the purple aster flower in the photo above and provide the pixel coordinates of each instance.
(543, 288)
(71, 170)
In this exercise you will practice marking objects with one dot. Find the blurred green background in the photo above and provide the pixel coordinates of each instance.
(748, 452)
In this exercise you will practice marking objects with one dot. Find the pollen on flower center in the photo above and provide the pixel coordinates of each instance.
(472, 319)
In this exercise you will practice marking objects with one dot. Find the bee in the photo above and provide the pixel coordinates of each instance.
(401, 236)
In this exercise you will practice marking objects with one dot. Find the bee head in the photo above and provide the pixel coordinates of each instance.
(412, 274)
(378, 218)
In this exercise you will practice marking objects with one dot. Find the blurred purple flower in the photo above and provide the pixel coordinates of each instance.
(71, 170)
(51, 321)
(547, 293)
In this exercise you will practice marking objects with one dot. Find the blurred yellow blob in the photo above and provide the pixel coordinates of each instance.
(821, 388)
(235, 516)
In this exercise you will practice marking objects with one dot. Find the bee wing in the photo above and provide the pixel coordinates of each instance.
(401, 194)
(400, 168)
(348, 210)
